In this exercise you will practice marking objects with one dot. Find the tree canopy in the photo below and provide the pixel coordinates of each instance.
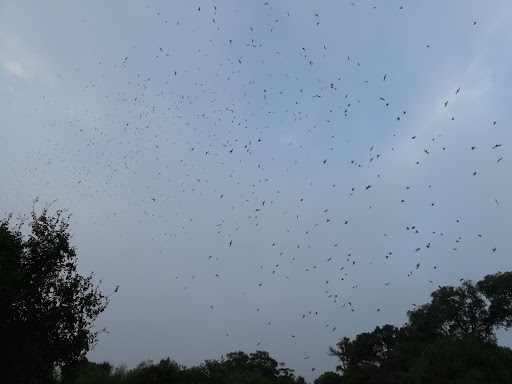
(236, 367)
(469, 310)
(47, 308)
(451, 339)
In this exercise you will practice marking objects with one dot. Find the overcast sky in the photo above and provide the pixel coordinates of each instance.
(242, 169)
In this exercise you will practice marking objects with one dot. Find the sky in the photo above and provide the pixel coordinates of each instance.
(261, 175)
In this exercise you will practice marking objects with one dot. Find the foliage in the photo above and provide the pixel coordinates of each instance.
(166, 371)
(368, 350)
(449, 340)
(497, 289)
(237, 367)
(329, 378)
(98, 373)
(467, 360)
(461, 311)
(260, 361)
(47, 308)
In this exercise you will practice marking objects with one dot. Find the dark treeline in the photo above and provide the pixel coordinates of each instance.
(236, 367)
(446, 360)
(47, 312)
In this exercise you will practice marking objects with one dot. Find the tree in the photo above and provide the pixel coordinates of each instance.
(46, 307)
(242, 368)
(497, 289)
(468, 360)
(455, 332)
(88, 372)
(329, 378)
(368, 350)
(258, 362)
(381, 356)
(237, 362)
(261, 361)
(166, 371)
(469, 310)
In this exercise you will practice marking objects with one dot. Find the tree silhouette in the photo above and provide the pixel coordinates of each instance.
(469, 310)
(47, 308)
(328, 378)
(455, 333)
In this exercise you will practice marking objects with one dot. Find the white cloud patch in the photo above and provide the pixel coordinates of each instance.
(21, 62)
(19, 69)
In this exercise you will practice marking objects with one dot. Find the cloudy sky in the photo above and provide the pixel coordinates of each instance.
(262, 175)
